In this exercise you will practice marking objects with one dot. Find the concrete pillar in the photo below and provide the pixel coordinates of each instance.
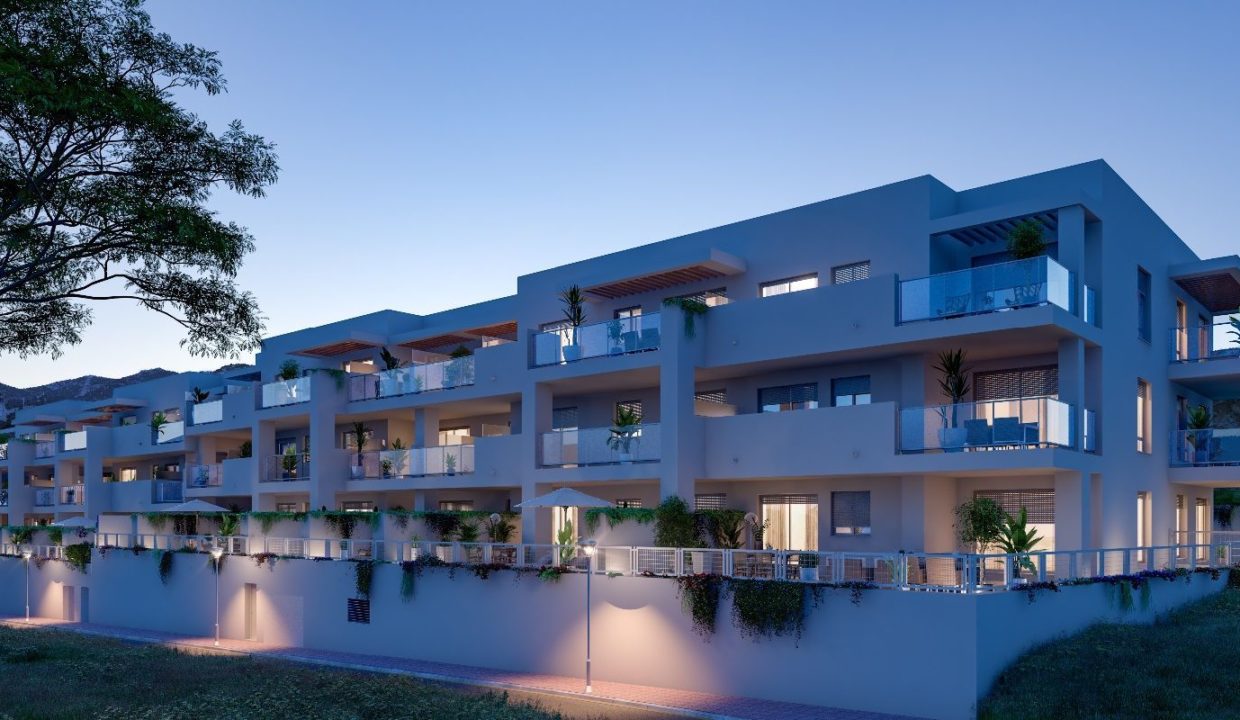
(329, 467)
(681, 441)
(263, 439)
(1071, 250)
(98, 495)
(1074, 512)
(536, 406)
(426, 427)
(1072, 385)
(21, 495)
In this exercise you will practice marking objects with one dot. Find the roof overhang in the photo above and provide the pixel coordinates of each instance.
(42, 420)
(93, 416)
(713, 264)
(116, 404)
(504, 330)
(350, 342)
(1215, 283)
(995, 232)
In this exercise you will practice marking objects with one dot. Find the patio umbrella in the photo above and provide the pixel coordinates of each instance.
(565, 497)
(75, 522)
(196, 506)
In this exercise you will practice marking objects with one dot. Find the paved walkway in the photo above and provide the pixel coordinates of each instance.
(676, 702)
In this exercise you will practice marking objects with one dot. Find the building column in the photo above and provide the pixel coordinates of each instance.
(329, 468)
(1072, 386)
(1071, 251)
(1074, 511)
(21, 496)
(426, 427)
(262, 454)
(681, 431)
(536, 405)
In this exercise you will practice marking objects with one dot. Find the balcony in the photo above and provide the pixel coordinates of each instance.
(203, 476)
(45, 448)
(1205, 448)
(72, 494)
(414, 462)
(73, 441)
(289, 467)
(621, 336)
(166, 491)
(456, 372)
(286, 392)
(990, 288)
(1013, 424)
(170, 432)
(44, 497)
(207, 412)
(1219, 341)
(600, 446)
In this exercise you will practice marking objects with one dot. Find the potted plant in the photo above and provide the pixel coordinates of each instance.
(200, 395)
(158, 421)
(954, 383)
(615, 330)
(399, 457)
(449, 463)
(1199, 435)
(458, 370)
(1018, 539)
(390, 361)
(625, 429)
(1025, 241)
(360, 439)
(246, 450)
(289, 370)
(979, 524)
(575, 314)
(288, 463)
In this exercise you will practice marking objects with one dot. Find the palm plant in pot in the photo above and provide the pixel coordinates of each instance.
(200, 395)
(954, 384)
(1026, 241)
(361, 437)
(575, 315)
(1199, 435)
(1018, 539)
(159, 421)
(623, 432)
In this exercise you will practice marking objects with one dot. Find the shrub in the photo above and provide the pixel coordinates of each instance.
(675, 525)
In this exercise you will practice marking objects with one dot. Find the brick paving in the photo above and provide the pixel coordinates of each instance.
(679, 702)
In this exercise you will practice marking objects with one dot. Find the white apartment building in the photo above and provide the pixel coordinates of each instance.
(806, 393)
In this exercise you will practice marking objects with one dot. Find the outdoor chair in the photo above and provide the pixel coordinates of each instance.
(977, 433)
(1008, 431)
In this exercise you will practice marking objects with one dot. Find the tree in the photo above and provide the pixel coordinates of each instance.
(104, 179)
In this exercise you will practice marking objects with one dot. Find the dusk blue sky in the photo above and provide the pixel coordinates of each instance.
(431, 153)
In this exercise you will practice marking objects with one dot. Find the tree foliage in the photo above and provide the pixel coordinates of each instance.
(104, 179)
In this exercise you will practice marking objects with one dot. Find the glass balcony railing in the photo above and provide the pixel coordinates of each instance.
(1199, 343)
(44, 497)
(1013, 424)
(601, 446)
(203, 476)
(166, 491)
(1209, 446)
(170, 432)
(413, 462)
(986, 289)
(286, 392)
(456, 372)
(207, 412)
(45, 448)
(613, 337)
(287, 468)
(74, 441)
(72, 494)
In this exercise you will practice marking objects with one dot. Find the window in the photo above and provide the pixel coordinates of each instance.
(1203, 527)
(1016, 383)
(1181, 520)
(709, 501)
(1143, 416)
(788, 285)
(454, 435)
(632, 406)
(850, 513)
(629, 312)
(1143, 304)
(287, 507)
(788, 397)
(850, 391)
(127, 420)
(284, 445)
(791, 522)
(629, 503)
(564, 418)
(554, 326)
(1181, 330)
(850, 273)
(712, 396)
(1039, 506)
(709, 298)
(1143, 522)
(460, 505)
(129, 474)
(358, 506)
(564, 527)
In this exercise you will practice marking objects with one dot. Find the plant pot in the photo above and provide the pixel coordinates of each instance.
(572, 353)
(809, 574)
(952, 439)
(357, 472)
(625, 457)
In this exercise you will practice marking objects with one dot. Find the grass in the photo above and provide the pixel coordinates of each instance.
(1182, 668)
(58, 675)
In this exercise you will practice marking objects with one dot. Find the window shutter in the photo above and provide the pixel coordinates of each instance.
(789, 499)
(1016, 383)
(788, 394)
(1039, 504)
(859, 385)
(850, 510)
(850, 273)
(359, 611)
(564, 418)
(709, 501)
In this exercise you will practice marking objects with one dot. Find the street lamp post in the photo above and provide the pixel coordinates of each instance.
(26, 555)
(589, 547)
(216, 554)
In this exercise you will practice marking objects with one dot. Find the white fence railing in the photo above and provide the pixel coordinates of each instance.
(961, 573)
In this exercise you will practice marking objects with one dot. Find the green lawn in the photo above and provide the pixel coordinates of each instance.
(1186, 666)
(62, 676)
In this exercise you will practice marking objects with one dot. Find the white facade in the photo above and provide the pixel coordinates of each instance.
(860, 459)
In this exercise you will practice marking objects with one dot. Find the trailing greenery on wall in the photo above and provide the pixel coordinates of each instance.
(163, 560)
(692, 308)
(363, 577)
(617, 516)
(55, 535)
(699, 596)
(267, 519)
(77, 556)
(675, 525)
(22, 534)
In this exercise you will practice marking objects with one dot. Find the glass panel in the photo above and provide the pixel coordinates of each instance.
(601, 446)
(286, 392)
(207, 412)
(613, 337)
(1015, 423)
(990, 288)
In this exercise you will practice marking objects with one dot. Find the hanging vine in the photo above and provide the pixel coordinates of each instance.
(699, 596)
(164, 563)
(364, 577)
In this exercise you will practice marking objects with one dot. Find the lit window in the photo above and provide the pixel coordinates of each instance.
(788, 285)
(457, 505)
(788, 397)
(129, 474)
(850, 513)
(791, 522)
(851, 272)
(1143, 521)
(709, 501)
(850, 391)
(709, 298)
(1143, 416)
(629, 503)
(629, 312)
(357, 506)
(348, 440)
